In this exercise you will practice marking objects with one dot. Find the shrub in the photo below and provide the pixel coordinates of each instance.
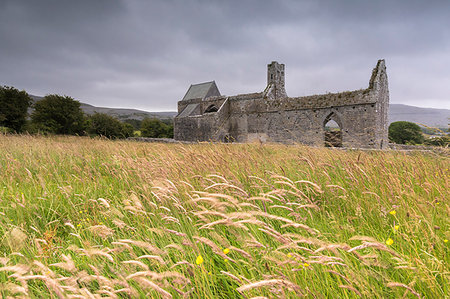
(108, 126)
(127, 130)
(438, 141)
(5, 130)
(136, 123)
(155, 128)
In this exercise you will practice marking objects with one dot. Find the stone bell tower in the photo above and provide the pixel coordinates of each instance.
(275, 81)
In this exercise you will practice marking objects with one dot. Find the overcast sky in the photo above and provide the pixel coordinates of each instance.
(144, 54)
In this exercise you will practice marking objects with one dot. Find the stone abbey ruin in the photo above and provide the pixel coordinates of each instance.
(271, 116)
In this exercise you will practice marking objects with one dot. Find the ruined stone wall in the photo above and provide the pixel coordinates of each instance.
(379, 86)
(201, 126)
(275, 81)
(305, 125)
(203, 104)
(361, 115)
(195, 128)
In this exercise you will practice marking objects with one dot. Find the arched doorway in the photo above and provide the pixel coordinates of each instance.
(333, 131)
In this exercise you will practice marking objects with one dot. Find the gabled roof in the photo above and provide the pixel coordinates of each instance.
(202, 90)
(189, 110)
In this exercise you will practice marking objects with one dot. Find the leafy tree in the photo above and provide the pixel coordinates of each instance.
(14, 105)
(136, 123)
(169, 128)
(104, 125)
(59, 115)
(404, 132)
(108, 126)
(155, 128)
(127, 130)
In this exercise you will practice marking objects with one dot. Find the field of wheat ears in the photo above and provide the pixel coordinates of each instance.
(92, 218)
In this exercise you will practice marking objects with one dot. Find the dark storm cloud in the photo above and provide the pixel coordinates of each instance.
(144, 54)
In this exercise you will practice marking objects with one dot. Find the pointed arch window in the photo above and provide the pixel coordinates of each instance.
(333, 131)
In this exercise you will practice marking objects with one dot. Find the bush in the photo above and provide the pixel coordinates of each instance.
(5, 130)
(58, 115)
(108, 126)
(127, 130)
(136, 123)
(155, 128)
(14, 106)
(438, 141)
(404, 132)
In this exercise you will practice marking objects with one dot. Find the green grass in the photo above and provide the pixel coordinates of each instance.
(84, 216)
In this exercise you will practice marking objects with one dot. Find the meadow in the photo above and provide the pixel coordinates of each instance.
(91, 218)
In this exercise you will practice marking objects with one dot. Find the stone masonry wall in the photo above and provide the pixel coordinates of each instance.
(203, 126)
(361, 115)
(357, 123)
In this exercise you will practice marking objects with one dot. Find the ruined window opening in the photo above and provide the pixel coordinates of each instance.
(271, 76)
(333, 134)
(211, 108)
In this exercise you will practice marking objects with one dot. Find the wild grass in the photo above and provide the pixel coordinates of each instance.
(91, 218)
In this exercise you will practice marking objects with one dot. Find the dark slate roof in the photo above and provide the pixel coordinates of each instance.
(188, 110)
(202, 90)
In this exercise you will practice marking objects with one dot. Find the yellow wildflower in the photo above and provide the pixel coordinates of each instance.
(225, 260)
(306, 264)
(199, 260)
(209, 273)
(396, 227)
(393, 212)
(445, 241)
(226, 250)
(389, 242)
(289, 255)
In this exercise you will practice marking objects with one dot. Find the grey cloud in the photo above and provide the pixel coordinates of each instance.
(144, 54)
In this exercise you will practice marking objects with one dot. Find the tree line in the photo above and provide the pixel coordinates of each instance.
(56, 114)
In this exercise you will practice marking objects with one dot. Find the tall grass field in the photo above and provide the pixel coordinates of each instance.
(92, 218)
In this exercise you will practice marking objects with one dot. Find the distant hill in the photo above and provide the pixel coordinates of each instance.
(120, 113)
(431, 117)
(123, 113)
(428, 116)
